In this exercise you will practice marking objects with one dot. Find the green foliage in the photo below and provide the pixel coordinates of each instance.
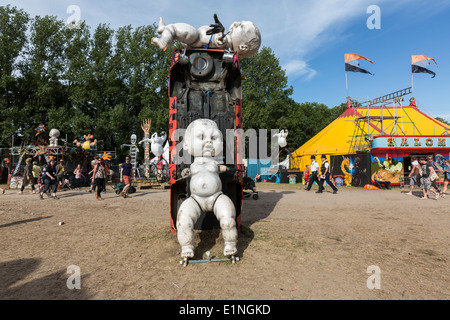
(443, 120)
(105, 82)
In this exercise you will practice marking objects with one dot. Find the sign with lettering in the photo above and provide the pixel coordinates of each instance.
(411, 142)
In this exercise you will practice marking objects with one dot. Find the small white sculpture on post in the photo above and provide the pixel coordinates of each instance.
(54, 135)
(282, 138)
(203, 140)
(156, 143)
(157, 149)
(243, 37)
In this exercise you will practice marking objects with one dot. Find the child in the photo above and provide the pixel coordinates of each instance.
(306, 175)
(78, 174)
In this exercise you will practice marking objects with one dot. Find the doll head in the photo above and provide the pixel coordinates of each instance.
(245, 37)
(203, 139)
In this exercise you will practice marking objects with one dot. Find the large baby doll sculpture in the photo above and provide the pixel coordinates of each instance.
(203, 140)
(242, 37)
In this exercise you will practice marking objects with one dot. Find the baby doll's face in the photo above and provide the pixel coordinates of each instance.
(245, 37)
(203, 139)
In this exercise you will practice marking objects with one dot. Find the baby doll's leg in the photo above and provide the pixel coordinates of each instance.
(226, 214)
(188, 214)
(182, 32)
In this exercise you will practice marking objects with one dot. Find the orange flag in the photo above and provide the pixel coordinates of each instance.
(420, 57)
(354, 56)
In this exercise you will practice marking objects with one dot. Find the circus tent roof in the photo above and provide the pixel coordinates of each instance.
(339, 136)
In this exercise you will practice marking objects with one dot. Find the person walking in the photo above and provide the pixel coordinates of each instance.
(414, 175)
(446, 171)
(49, 178)
(36, 175)
(28, 176)
(126, 173)
(427, 173)
(60, 168)
(325, 176)
(314, 172)
(307, 175)
(437, 168)
(99, 177)
(90, 174)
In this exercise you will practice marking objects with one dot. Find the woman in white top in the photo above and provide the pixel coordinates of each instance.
(98, 177)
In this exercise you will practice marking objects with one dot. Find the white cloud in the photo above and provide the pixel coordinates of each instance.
(299, 69)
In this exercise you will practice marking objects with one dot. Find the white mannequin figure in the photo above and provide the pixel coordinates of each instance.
(54, 135)
(242, 37)
(282, 138)
(203, 140)
(157, 149)
(157, 142)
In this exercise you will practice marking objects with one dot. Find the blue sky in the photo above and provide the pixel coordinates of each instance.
(310, 37)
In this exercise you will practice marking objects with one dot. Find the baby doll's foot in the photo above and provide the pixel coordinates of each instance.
(187, 251)
(230, 249)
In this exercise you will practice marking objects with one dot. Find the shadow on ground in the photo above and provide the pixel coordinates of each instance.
(252, 211)
(50, 287)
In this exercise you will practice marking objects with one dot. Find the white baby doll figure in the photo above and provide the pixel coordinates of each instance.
(243, 37)
(203, 140)
(54, 135)
(157, 142)
(282, 138)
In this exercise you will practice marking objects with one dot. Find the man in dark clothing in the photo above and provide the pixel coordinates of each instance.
(60, 168)
(325, 176)
(49, 178)
(126, 173)
(314, 173)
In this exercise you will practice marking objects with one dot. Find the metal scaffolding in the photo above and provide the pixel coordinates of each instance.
(367, 126)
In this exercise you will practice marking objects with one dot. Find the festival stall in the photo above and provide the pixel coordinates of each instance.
(367, 139)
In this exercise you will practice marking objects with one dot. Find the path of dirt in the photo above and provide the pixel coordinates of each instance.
(293, 244)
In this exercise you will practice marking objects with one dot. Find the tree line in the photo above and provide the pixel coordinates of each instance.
(106, 82)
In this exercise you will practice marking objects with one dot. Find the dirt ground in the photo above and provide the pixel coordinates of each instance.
(293, 245)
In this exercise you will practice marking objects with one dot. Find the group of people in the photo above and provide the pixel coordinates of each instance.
(424, 174)
(48, 178)
(313, 175)
(42, 180)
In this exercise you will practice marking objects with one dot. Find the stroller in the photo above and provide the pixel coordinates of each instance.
(249, 184)
(118, 187)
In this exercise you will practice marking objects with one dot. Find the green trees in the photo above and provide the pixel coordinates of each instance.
(13, 27)
(106, 82)
(103, 82)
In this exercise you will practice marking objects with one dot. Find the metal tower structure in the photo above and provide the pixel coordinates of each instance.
(368, 126)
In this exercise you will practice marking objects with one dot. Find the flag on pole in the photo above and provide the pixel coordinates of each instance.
(352, 64)
(419, 62)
